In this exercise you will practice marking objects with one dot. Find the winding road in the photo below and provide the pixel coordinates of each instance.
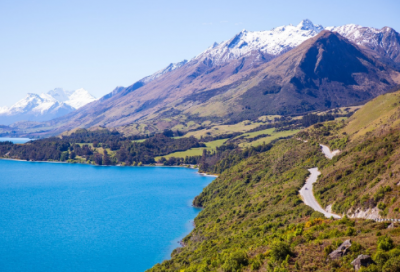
(328, 153)
(306, 191)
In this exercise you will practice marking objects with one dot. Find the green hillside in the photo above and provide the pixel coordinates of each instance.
(254, 220)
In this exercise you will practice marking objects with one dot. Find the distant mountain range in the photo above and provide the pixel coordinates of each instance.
(45, 106)
(286, 70)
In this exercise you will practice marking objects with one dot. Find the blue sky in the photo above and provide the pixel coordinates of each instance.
(99, 45)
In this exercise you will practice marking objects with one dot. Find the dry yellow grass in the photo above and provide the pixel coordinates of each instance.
(373, 114)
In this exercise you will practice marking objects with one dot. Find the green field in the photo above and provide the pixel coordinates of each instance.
(373, 114)
(139, 141)
(268, 139)
(82, 144)
(224, 129)
(211, 146)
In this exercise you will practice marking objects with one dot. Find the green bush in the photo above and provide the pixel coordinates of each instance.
(235, 261)
(356, 247)
(328, 250)
(392, 265)
(381, 257)
(309, 236)
(255, 265)
(379, 194)
(395, 252)
(371, 268)
(381, 206)
(316, 214)
(279, 251)
(385, 243)
(350, 232)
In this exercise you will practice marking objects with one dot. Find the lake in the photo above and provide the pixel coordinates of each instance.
(15, 140)
(71, 217)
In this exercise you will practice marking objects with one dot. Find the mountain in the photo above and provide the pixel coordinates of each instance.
(385, 41)
(45, 106)
(287, 70)
(269, 43)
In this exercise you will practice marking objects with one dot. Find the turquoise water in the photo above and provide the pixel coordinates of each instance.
(15, 140)
(65, 217)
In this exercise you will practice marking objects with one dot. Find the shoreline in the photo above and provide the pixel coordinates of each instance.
(176, 166)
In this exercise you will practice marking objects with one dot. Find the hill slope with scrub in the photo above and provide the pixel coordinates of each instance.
(254, 220)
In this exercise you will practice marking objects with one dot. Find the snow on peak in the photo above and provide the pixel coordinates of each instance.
(283, 38)
(273, 42)
(60, 94)
(308, 25)
(79, 98)
(161, 72)
(373, 38)
(52, 101)
(3, 110)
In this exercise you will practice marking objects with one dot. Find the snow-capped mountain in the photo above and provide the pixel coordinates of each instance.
(273, 42)
(46, 106)
(266, 45)
(161, 72)
(385, 41)
(279, 40)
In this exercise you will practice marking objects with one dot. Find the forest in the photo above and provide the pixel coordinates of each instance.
(102, 147)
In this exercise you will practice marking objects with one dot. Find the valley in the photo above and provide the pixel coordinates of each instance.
(300, 125)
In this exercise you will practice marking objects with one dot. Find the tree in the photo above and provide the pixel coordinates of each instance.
(98, 159)
(64, 156)
(106, 158)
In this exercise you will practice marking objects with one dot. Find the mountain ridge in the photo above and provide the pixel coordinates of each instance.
(182, 90)
(46, 106)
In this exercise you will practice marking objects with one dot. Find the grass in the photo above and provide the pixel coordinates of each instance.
(224, 129)
(101, 151)
(256, 133)
(139, 141)
(211, 146)
(373, 114)
(271, 131)
(82, 144)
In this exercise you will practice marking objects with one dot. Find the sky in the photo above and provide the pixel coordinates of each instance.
(98, 45)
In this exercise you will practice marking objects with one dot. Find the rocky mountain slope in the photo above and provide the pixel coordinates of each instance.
(45, 106)
(252, 74)
(385, 41)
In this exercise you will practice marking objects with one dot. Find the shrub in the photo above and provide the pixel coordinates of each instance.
(381, 257)
(392, 265)
(255, 265)
(379, 194)
(351, 231)
(371, 268)
(355, 247)
(235, 261)
(308, 236)
(385, 243)
(279, 251)
(381, 206)
(328, 250)
(316, 214)
(394, 253)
